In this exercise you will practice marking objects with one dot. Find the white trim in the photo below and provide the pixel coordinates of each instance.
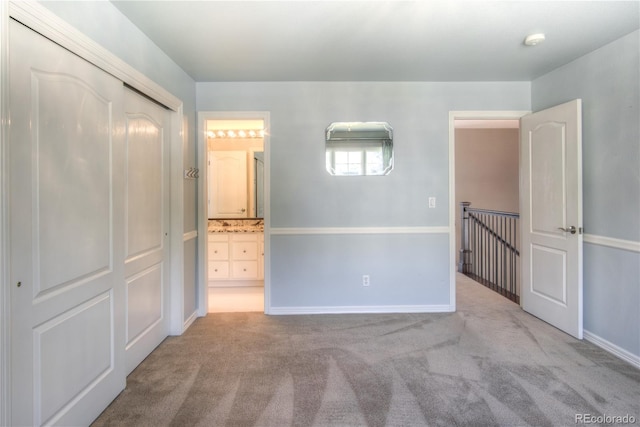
(178, 136)
(357, 230)
(5, 294)
(617, 351)
(202, 224)
(610, 242)
(190, 235)
(192, 318)
(374, 309)
(45, 22)
(465, 115)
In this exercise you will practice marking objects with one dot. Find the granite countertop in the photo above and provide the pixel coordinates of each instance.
(252, 225)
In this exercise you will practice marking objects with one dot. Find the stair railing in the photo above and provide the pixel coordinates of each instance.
(489, 250)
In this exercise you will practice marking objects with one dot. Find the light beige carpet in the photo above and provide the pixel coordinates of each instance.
(488, 364)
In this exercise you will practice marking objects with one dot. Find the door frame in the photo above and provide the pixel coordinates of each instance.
(5, 309)
(468, 115)
(203, 191)
(48, 24)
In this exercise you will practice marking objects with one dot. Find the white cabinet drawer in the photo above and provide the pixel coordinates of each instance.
(218, 270)
(244, 237)
(235, 256)
(244, 251)
(218, 251)
(218, 237)
(245, 269)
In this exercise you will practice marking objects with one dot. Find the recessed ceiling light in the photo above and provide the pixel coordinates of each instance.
(534, 39)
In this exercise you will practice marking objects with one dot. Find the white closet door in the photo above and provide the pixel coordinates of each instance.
(66, 169)
(147, 226)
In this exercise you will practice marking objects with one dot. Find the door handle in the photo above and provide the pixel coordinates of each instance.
(571, 229)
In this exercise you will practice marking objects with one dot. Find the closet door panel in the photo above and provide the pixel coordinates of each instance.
(147, 226)
(66, 163)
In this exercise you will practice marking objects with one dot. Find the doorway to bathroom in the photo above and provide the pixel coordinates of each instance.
(233, 210)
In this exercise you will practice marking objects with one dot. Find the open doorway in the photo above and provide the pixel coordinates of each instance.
(485, 173)
(232, 208)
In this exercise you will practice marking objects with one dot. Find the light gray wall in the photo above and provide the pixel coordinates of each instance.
(487, 168)
(487, 171)
(103, 23)
(321, 270)
(608, 82)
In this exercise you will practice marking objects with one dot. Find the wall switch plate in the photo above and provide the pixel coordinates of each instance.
(365, 280)
(432, 202)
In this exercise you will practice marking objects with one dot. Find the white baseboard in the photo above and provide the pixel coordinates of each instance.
(612, 348)
(190, 320)
(362, 309)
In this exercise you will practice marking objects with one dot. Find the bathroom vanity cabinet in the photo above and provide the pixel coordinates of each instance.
(235, 257)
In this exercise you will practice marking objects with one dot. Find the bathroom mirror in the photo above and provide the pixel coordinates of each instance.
(359, 148)
(235, 166)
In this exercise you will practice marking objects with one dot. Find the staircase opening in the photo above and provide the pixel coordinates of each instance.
(487, 202)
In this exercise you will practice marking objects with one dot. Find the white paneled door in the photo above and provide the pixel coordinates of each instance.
(66, 173)
(146, 226)
(551, 216)
(228, 196)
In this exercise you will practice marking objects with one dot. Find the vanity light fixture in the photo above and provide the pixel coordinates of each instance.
(534, 39)
(236, 133)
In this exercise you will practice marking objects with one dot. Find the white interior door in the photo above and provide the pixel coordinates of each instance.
(551, 216)
(66, 163)
(228, 194)
(146, 226)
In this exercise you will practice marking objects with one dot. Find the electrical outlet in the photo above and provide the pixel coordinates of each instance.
(432, 202)
(365, 280)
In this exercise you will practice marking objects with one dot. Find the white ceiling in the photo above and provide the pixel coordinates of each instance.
(428, 40)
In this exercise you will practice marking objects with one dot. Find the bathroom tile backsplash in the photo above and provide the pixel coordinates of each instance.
(253, 225)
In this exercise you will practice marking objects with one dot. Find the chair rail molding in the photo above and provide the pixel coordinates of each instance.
(358, 230)
(610, 242)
